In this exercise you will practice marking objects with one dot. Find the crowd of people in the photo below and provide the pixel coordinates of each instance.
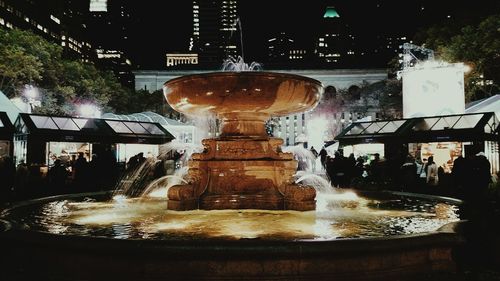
(65, 174)
(409, 174)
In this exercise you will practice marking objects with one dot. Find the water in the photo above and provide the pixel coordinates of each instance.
(159, 187)
(139, 218)
(320, 183)
(238, 65)
(139, 181)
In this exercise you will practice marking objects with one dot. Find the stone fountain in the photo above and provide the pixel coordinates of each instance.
(243, 168)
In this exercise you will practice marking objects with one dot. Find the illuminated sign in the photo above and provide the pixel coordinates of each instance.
(432, 89)
(98, 6)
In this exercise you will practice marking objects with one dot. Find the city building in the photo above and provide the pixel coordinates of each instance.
(283, 50)
(334, 45)
(175, 59)
(215, 34)
(108, 23)
(61, 22)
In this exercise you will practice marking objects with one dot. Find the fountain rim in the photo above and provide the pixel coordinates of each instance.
(242, 73)
(448, 233)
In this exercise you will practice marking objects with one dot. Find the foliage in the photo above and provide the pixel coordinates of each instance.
(143, 100)
(28, 59)
(383, 97)
(477, 45)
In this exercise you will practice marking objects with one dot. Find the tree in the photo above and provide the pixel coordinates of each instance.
(28, 59)
(477, 45)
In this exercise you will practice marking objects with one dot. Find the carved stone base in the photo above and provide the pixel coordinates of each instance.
(242, 173)
(182, 198)
(300, 198)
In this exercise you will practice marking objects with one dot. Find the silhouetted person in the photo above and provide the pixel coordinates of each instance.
(140, 158)
(313, 161)
(460, 175)
(431, 170)
(337, 168)
(57, 176)
(482, 176)
(359, 167)
(350, 169)
(323, 157)
(132, 163)
(110, 168)
(21, 180)
(477, 210)
(408, 173)
(7, 178)
(80, 171)
(97, 170)
(376, 168)
(159, 169)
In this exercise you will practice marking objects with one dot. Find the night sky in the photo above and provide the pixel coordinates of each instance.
(163, 26)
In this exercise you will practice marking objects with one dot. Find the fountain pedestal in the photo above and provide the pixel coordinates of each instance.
(244, 168)
(242, 174)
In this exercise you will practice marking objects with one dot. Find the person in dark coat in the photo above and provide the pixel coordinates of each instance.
(477, 210)
(323, 157)
(7, 176)
(407, 174)
(57, 177)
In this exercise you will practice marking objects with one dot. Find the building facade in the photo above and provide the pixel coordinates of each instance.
(215, 34)
(109, 24)
(175, 59)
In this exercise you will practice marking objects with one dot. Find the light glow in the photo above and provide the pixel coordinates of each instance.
(89, 111)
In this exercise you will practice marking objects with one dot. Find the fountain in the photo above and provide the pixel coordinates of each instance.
(289, 230)
(243, 168)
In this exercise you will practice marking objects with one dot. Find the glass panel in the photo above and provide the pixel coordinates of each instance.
(1, 123)
(374, 128)
(136, 128)
(118, 127)
(357, 128)
(425, 124)
(44, 122)
(81, 123)
(392, 126)
(491, 125)
(445, 123)
(152, 128)
(65, 124)
(468, 121)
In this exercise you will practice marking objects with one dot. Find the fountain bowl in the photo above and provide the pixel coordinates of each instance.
(33, 255)
(256, 92)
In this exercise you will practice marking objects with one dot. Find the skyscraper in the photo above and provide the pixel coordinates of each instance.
(285, 51)
(335, 43)
(109, 24)
(215, 34)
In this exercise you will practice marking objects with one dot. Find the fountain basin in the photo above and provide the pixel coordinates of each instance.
(243, 101)
(40, 254)
(268, 93)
